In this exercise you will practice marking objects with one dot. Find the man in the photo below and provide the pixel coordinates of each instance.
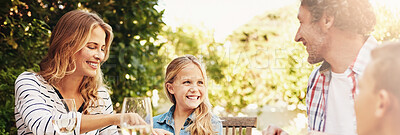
(335, 32)
(378, 104)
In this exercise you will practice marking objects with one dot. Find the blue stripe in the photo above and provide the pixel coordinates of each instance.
(26, 95)
(26, 103)
(28, 90)
(28, 133)
(96, 106)
(34, 105)
(20, 126)
(34, 90)
(109, 107)
(24, 85)
(37, 125)
(312, 81)
(45, 128)
(18, 120)
(319, 101)
(320, 125)
(35, 122)
(27, 73)
(105, 128)
(52, 92)
(35, 110)
(29, 79)
(29, 121)
(316, 112)
(323, 114)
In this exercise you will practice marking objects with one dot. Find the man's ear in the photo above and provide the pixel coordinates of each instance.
(326, 22)
(383, 103)
(170, 88)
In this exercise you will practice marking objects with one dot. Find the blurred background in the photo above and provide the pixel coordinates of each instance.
(253, 64)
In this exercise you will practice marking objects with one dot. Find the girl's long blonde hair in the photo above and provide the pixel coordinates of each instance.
(202, 124)
(70, 35)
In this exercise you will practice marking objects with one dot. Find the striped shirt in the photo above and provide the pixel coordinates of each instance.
(34, 103)
(319, 81)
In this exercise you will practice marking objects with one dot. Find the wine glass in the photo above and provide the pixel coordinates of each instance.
(136, 116)
(64, 116)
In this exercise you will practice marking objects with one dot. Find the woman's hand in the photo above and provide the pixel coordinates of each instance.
(157, 131)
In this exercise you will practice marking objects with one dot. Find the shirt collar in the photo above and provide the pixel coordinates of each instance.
(362, 59)
(168, 117)
(364, 56)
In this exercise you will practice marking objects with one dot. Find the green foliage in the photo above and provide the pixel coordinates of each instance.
(257, 65)
(22, 48)
(272, 66)
(387, 24)
(132, 69)
(260, 63)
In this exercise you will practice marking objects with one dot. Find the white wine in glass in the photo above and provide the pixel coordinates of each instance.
(64, 116)
(136, 116)
(136, 130)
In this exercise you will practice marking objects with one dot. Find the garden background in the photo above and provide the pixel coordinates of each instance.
(256, 70)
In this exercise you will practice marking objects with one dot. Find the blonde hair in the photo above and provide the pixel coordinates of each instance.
(70, 35)
(350, 15)
(202, 124)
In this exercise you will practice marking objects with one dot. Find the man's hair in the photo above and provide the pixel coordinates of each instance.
(349, 15)
(385, 67)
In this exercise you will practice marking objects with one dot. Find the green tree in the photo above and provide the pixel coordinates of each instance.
(25, 28)
(271, 60)
(387, 24)
(259, 63)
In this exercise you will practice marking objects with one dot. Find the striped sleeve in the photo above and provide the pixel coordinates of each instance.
(112, 129)
(34, 106)
(311, 83)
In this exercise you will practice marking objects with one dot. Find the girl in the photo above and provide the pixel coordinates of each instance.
(186, 87)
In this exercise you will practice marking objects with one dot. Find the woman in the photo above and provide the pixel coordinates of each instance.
(79, 44)
(186, 87)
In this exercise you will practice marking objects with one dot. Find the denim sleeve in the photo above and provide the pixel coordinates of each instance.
(217, 125)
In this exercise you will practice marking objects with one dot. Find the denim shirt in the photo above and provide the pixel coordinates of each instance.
(166, 121)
